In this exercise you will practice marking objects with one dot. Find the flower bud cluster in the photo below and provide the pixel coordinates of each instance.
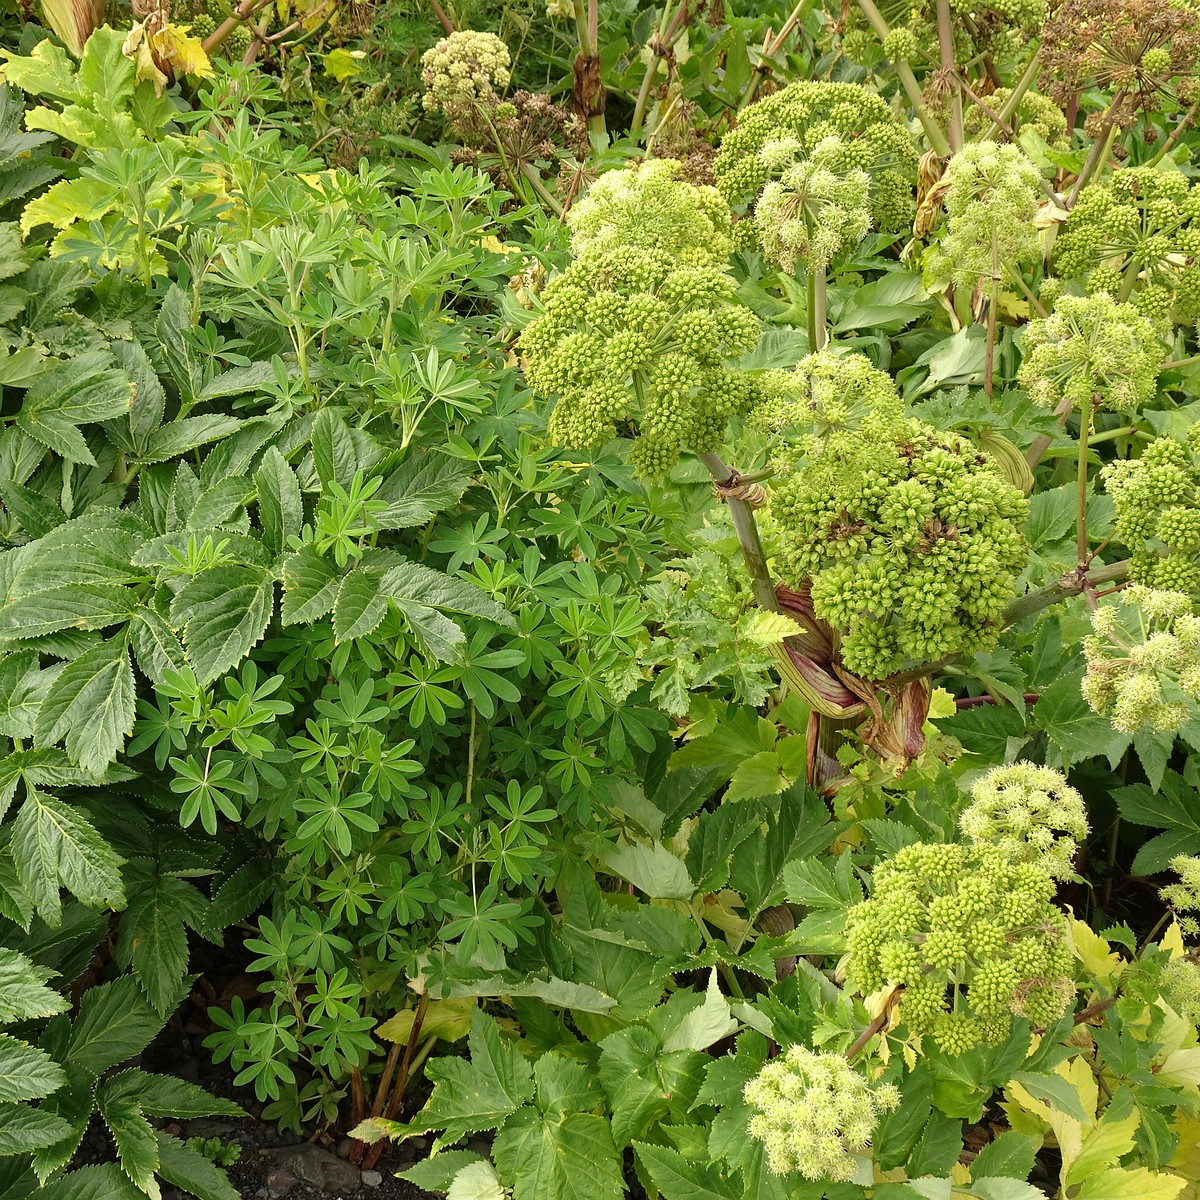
(1143, 660)
(463, 70)
(818, 205)
(1030, 814)
(634, 337)
(1034, 112)
(1143, 226)
(814, 1113)
(800, 117)
(990, 200)
(1184, 896)
(1022, 14)
(1157, 502)
(910, 537)
(1091, 350)
(971, 936)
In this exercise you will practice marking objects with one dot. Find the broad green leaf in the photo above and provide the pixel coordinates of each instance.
(558, 1156)
(479, 1094)
(24, 1129)
(137, 1147)
(1001, 1187)
(280, 507)
(113, 1025)
(91, 705)
(1131, 1183)
(72, 606)
(166, 1096)
(435, 1173)
(47, 70)
(334, 455)
(157, 649)
(53, 847)
(105, 1182)
(887, 304)
(36, 514)
(705, 1024)
(634, 1072)
(359, 606)
(83, 390)
(310, 586)
(1103, 1146)
(423, 485)
(68, 201)
(26, 1073)
(149, 398)
(422, 596)
(652, 869)
(1057, 1092)
(23, 992)
(177, 344)
(679, 1178)
(1011, 1154)
(1074, 731)
(223, 613)
(179, 437)
(476, 1181)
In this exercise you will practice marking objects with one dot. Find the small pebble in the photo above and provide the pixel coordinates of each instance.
(372, 1179)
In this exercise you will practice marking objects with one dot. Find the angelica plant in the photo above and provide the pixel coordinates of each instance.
(1030, 814)
(910, 538)
(1143, 660)
(972, 937)
(1157, 502)
(1137, 235)
(815, 1112)
(463, 70)
(635, 335)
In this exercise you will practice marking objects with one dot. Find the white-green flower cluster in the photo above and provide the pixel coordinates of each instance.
(1030, 814)
(814, 206)
(991, 198)
(650, 207)
(1091, 350)
(462, 70)
(1184, 896)
(1143, 660)
(815, 1112)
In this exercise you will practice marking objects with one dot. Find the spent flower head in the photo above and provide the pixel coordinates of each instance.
(1091, 350)
(1030, 813)
(1143, 660)
(973, 937)
(815, 1112)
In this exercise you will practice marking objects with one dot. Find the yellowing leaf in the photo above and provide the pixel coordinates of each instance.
(1186, 1160)
(1172, 940)
(1102, 1148)
(769, 628)
(1133, 1184)
(68, 201)
(1180, 1067)
(343, 64)
(446, 1020)
(941, 704)
(1097, 956)
(184, 52)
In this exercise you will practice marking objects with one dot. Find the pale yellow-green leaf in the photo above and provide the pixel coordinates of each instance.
(44, 71)
(1102, 1148)
(702, 1026)
(941, 704)
(446, 1020)
(344, 64)
(476, 1181)
(375, 1129)
(1135, 1183)
(652, 869)
(1186, 1160)
(1097, 956)
(1181, 1068)
(1172, 940)
(768, 628)
(68, 201)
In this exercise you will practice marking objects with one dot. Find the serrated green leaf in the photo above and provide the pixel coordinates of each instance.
(91, 705)
(422, 486)
(310, 586)
(280, 507)
(115, 1022)
(334, 455)
(179, 437)
(26, 1073)
(86, 389)
(192, 1172)
(223, 613)
(1074, 731)
(137, 1146)
(435, 1173)
(23, 992)
(68, 201)
(53, 847)
(24, 1129)
(177, 343)
(157, 649)
(679, 1178)
(238, 897)
(167, 1097)
(36, 513)
(105, 1182)
(359, 606)
(72, 606)
(558, 1156)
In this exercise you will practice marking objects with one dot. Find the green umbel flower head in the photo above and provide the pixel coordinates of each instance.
(1091, 349)
(1157, 501)
(650, 207)
(806, 114)
(814, 1113)
(991, 198)
(463, 70)
(910, 537)
(1138, 230)
(635, 337)
(1143, 660)
(973, 937)
(1034, 112)
(817, 207)
(1029, 813)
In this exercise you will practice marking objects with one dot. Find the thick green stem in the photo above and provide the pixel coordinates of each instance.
(818, 325)
(912, 89)
(1081, 488)
(1169, 142)
(1072, 584)
(1018, 94)
(746, 528)
(950, 72)
(530, 172)
(1100, 148)
(660, 46)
